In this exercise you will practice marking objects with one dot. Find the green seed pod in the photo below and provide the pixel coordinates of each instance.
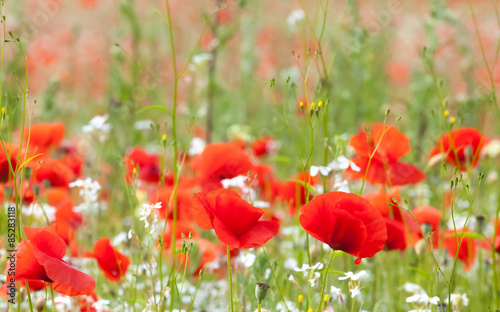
(261, 291)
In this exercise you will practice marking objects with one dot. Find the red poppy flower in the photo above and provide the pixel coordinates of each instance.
(267, 184)
(294, 192)
(149, 169)
(385, 167)
(345, 222)
(261, 147)
(429, 215)
(12, 152)
(220, 161)
(382, 200)
(461, 147)
(183, 228)
(183, 203)
(34, 286)
(43, 136)
(236, 222)
(467, 251)
(40, 258)
(113, 263)
(396, 235)
(55, 171)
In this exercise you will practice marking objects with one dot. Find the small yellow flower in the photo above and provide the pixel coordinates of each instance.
(312, 106)
(452, 119)
(164, 137)
(310, 310)
(300, 298)
(446, 112)
(320, 104)
(326, 297)
(134, 171)
(301, 104)
(3, 110)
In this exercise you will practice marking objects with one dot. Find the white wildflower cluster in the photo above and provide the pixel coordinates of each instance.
(89, 192)
(246, 258)
(99, 126)
(309, 273)
(39, 212)
(294, 18)
(196, 146)
(145, 213)
(240, 182)
(354, 288)
(143, 124)
(341, 163)
(457, 301)
(419, 298)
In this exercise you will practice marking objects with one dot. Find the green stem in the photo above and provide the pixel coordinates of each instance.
(52, 297)
(230, 277)
(324, 281)
(29, 295)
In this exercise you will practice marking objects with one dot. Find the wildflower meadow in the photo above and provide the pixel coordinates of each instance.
(250, 155)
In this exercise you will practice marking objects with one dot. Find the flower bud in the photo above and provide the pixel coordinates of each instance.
(261, 291)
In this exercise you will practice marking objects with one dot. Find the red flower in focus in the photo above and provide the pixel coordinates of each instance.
(55, 171)
(461, 147)
(149, 169)
(385, 167)
(467, 251)
(345, 222)
(40, 258)
(43, 136)
(220, 161)
(236, 222)
(113, 263)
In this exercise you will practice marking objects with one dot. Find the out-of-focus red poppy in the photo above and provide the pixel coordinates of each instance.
(12, 152)
(381, 201)
(494, 242)
(220, 161)
(427, 215)
(149, 169)
(34, 286)
(461, 147)
(385, 167)
(112, 263)
(294, 192)
(345, 222)
(267, 184)
(43, 136)
(55, 171)
(467, 251)
(164, 196)
(263, 146)
(236, 222)
(209, 253)
(40, 258)
(182, 228)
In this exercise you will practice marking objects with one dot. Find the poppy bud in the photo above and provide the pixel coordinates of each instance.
(261, 291)
(27, 173)
(40, 304)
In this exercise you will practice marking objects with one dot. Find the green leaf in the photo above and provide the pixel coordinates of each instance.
(158, 107)
(27, 161)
